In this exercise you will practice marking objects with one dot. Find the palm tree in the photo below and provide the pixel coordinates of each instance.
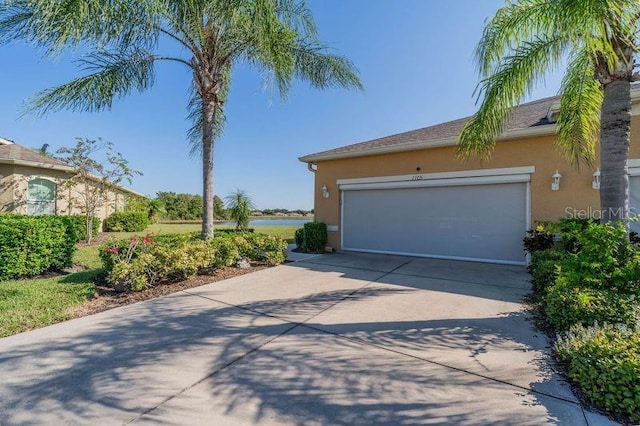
(600, 39)
(240, 206)
(278, 37)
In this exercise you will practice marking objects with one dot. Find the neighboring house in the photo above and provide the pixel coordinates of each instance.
(408, 194)
(32, 184)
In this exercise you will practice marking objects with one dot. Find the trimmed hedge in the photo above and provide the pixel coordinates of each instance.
(315, 237)
(590, 294)
(81, 228)
(566, 305)
(127, 222)
(544, 269)
(139, 262)
(299, 237)
(31, 245)
(605, 361)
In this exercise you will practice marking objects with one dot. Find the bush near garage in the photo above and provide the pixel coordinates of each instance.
(605, 361)
(299, 237)
(139, 262)
(32, 245)
(544, 269)
(589, 292)
(127, 222)
(566, 305)
(538, 239)
(314, 238)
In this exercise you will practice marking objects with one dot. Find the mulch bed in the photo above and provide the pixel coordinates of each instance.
(107, 298)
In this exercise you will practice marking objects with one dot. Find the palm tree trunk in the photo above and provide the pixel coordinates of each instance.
(208, 139)
(615, 127)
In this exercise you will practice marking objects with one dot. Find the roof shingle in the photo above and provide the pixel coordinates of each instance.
(525, 116)
(18, 152)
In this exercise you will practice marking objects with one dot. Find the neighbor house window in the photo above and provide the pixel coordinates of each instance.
(41, 197)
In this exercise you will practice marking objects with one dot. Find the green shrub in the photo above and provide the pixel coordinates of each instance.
(81, 227)
(226, 252)
(127, 222)
(566, 305)
(139, 262)
(315, 237)
(538, 239)
(605, 363)
(605, 259)
(233, 231)
(544, 269)
(268, 248)
(31, 245)
(299, 236)
(570, 231)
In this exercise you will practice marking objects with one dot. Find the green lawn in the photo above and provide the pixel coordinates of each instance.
(286, 232)
(27, 304)
(34, 303)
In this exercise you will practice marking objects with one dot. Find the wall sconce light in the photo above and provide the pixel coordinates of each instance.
(325, 191)
(555, 185)
(596, 180)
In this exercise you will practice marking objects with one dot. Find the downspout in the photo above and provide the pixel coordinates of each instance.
(311, 168)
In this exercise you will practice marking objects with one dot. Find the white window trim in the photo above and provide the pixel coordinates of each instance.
(55, 192)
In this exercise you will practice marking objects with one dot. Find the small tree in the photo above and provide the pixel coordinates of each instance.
(92, 179)
(152, 207)
(219, 210)
(240, 206)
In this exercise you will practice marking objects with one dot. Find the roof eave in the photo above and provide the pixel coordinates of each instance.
(61, 168)
(36, 164)
(530, 132)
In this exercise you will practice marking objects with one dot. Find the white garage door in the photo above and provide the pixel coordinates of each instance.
(482, 222)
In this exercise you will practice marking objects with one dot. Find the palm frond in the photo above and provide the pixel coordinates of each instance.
(297, 15)
(512, 25)
(516, 76)
(57, 25)
(315, 65)
(112, 75)
(579, 117)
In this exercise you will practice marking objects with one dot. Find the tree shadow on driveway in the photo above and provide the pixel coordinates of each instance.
(186, 359)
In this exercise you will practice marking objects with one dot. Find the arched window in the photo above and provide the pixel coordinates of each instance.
(41, 197)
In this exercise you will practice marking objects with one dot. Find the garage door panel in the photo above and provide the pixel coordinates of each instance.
(484, 222)
(634, 191)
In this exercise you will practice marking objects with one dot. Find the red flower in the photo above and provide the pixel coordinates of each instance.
(115, 250)
(133, 240)
(146, 240)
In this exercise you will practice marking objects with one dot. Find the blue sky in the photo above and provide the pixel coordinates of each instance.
(415, 59)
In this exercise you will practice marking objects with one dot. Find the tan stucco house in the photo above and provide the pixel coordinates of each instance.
(32, 184)
(408, 194)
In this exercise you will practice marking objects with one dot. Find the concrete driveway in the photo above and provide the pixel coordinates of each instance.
(335, 339)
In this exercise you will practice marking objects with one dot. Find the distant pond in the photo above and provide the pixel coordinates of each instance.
(273, 222)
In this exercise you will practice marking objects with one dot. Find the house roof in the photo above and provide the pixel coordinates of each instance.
(20, 153)
(531, 119)
(13, 153)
